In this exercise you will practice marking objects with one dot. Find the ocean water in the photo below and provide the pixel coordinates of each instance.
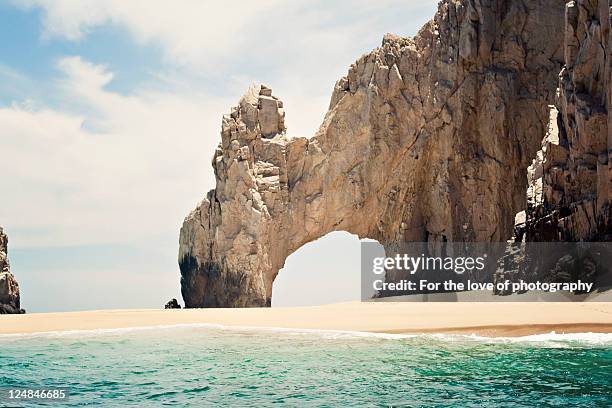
(213, 366)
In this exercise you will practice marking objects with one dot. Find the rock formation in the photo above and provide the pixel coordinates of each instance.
(9, 289)
(569, 195)
(426, 139)
(172, 304)
(570, 181)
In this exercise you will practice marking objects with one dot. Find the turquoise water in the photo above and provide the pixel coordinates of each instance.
(209, 366)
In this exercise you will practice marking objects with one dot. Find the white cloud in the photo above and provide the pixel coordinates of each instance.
(188, 29)
(132, 178)
(300, 48)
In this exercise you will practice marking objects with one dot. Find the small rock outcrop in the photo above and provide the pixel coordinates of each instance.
(9, 289)
(172, 304)
(426, 139)
(570, 181)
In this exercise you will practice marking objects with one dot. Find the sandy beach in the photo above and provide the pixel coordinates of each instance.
(489, 319)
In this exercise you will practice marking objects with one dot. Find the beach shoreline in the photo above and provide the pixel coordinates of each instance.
(484, 319)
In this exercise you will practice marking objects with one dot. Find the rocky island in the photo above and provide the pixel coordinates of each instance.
(427, 139)
(9, 289)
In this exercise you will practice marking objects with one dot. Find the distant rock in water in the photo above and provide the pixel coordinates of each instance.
(172, 304)
(426, 139)
(9, 288)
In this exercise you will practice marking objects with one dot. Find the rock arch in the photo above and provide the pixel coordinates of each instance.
(426, 139)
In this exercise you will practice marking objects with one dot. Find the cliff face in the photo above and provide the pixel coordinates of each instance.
(570, 181)
(9, 289)
(426, 139)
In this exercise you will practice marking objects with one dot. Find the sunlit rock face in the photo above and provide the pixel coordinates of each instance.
(570, 180)
(9, 289)
(426, 139)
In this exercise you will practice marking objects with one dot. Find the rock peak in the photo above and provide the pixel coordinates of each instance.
(258, 114)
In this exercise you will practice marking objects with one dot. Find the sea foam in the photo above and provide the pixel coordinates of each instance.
(548, 339)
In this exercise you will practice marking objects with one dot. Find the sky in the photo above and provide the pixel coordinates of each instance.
(110, 111)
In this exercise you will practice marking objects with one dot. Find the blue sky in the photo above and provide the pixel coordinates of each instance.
(110, 112)
(26, 52)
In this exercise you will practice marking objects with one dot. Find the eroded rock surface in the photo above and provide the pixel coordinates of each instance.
(426, 139)
(9, 289)
(570, 181)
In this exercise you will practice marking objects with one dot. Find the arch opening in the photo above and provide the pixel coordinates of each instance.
(324, 271)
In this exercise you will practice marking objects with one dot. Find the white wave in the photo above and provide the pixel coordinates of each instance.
(548, 339)
(325, 333)
(331, 334)
(101, 332)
